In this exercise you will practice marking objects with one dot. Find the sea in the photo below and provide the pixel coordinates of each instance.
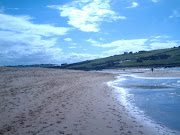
(157, 98)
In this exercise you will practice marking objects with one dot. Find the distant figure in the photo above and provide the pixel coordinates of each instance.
(152, 69)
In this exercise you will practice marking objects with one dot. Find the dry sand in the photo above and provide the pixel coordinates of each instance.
(37, 101)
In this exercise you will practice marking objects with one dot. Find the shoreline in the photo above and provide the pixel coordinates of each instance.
(37, 101)
(132, 109)
(139, 114)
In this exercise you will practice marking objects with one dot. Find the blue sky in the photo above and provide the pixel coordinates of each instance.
(67, 31)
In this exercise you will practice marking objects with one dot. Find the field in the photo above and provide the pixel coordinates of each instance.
(156, 58)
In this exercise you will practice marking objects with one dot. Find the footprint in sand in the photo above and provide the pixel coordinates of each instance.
(140, 132)
(58, 122)
(61, 132)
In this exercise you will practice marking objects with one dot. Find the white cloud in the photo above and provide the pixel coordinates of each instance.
(15, 45)
(15, 39)
(28, 55)
(134, 4)
(93, 42)
(122, 46)
(77, 57)
(33, 49)
(163, 45)
(175, 14)
(19, 55)
(159, 38)
(23, 41)
(122, 49)
(162, 42)
(86, 15)
(119, 43)
(135, 45)
(155, 1)
(68, 39)
(24, 25)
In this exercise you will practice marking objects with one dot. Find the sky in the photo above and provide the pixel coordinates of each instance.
(68, 31)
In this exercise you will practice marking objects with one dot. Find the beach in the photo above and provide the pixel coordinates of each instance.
(39, 101)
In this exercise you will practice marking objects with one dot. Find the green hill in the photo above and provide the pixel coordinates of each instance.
(156, 58)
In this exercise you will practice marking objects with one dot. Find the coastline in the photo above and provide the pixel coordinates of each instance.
(135, 111)
(37, 101)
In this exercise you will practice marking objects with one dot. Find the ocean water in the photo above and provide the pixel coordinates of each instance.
(157, 98)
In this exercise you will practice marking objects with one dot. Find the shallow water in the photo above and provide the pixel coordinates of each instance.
(157, 98)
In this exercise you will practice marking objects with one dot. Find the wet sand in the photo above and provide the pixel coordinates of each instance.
(37, 101)
(159, 74)
(146, 72)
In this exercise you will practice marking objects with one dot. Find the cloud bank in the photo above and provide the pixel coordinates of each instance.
(20, 39)
(68, 39)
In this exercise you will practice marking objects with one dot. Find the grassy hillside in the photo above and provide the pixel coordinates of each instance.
(156, 58)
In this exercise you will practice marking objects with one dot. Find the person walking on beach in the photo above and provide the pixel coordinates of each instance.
(152, 69)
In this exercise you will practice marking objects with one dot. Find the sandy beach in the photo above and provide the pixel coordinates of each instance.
(39, 101)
